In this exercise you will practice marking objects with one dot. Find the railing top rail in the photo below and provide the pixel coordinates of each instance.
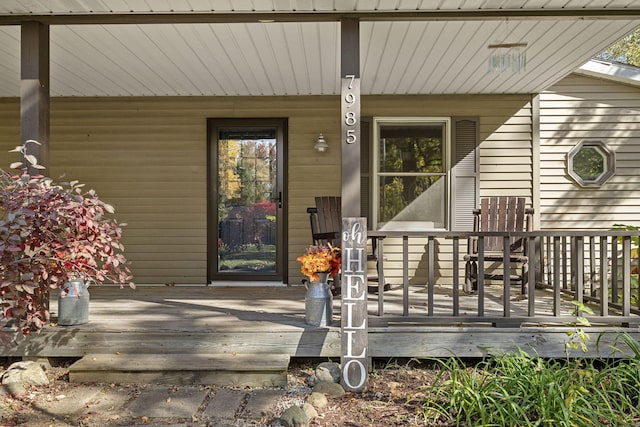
(536, 233)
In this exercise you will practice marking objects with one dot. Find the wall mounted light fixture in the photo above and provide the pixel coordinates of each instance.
(321, 145)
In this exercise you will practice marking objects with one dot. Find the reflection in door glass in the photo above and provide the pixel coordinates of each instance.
(246, 200)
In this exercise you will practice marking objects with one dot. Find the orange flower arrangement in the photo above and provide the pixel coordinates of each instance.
(320, 259)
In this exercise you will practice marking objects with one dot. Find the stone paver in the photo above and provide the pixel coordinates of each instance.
(163, 402)
(75, 401)
(259, 402)
(158, 404)
(225, 404)
(108, 401)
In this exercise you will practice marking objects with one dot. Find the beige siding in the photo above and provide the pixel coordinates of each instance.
(506, 167)
(147, 156)
(580, 108)
(505, 163)
(505, 133)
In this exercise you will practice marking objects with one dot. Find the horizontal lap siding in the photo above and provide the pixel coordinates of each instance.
(146, 159)
(147, 156)
(9, 128)
(505, 165)
(310, 173)
(584, 108)
(505, 133)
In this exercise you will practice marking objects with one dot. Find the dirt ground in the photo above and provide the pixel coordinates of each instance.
(394, 398)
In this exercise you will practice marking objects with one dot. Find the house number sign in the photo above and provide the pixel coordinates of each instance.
(351, 109)
(354, 360)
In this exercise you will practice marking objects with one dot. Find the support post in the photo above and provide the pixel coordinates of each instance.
(354, 316)
(350, 117)
(34, 92)
(34, 99)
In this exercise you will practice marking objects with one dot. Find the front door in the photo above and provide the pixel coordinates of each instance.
(246, 200)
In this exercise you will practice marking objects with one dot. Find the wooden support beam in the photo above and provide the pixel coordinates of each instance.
(354, 327)
(350, 117)
(34, 92)
(495, 14)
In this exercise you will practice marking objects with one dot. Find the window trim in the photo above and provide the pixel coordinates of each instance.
(376, 122)
(609, 161)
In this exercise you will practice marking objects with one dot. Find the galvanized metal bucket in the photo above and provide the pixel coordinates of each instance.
(73, 303)
(318, 302)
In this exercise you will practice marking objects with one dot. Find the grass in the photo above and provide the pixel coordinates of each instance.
(524, 390)
(248, 258)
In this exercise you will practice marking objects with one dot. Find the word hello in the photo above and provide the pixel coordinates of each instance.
(354, 304)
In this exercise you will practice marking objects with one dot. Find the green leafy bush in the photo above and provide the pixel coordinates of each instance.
(524, 390)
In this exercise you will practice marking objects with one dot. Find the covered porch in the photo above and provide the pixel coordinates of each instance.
(149, 83)
(268, 320)
(129, 91)
(409, 320)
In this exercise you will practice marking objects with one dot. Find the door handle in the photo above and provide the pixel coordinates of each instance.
(279, 199)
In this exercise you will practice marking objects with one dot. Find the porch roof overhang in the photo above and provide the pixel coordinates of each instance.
(616, 72)
(286, 47)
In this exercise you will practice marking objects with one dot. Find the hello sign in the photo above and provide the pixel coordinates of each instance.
(354, 360)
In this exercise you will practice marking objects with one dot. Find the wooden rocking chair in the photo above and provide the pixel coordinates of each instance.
(326, 220)
(326, 227)
(502, 214)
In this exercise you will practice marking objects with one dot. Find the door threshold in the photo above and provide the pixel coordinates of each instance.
(244, 283)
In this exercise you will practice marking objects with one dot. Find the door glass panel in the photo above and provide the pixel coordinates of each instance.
(247, 211)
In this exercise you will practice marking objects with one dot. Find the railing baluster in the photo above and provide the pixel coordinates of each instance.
(431, 275)
(532, 277)
(481, 276)
(626, 275)
(604, 279)
(614, 270)
(456, 278)
(405, 276)
(579, 272)
(565, 284)
(556, 276)
(381, 279)
(573, 257)
(592, 265)
(506, 278)
(637, 262)
(549, 263)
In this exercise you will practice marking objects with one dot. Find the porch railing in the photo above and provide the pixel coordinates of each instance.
(568, 270)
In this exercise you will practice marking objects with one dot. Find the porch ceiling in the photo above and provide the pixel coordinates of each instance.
(216, 47)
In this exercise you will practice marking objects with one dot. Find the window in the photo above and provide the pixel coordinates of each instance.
(411, 173)
(591, 163)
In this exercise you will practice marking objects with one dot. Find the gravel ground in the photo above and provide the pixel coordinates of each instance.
(394, 398)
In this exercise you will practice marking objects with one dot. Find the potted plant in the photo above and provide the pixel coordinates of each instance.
(317, 264)
(51, 234)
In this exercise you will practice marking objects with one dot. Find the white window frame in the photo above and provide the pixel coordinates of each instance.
(375, 173)
(608, 161)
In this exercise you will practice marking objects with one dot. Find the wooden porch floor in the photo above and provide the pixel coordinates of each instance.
(270, 320)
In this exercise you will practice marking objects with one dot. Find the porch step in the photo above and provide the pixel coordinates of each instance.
(247, 370)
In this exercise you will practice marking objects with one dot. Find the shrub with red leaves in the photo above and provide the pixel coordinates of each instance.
(49, 233)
